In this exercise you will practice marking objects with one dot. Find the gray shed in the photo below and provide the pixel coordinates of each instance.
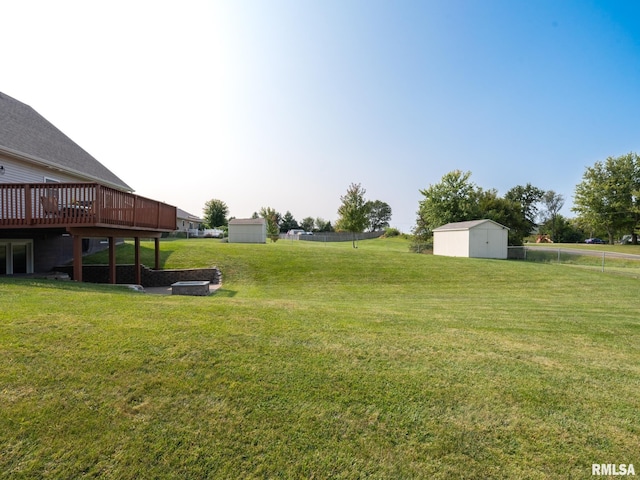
(248, 230)
(477, 238)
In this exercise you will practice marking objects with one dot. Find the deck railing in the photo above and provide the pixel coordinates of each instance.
(80, 204)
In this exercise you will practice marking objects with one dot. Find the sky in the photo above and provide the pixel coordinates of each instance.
(285, 103)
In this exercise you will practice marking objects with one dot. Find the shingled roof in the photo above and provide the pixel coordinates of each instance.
(27, 134)
(466, 225)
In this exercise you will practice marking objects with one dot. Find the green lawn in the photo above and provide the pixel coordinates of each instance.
(323, 361)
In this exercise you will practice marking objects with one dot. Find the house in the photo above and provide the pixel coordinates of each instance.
(188, 223)
(248, 230)
(477, 238)
(57, 201)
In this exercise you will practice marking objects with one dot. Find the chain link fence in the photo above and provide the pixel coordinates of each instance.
(604, 261)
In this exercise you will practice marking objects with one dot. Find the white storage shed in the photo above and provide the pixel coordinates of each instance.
(248, 230)
(477, 239)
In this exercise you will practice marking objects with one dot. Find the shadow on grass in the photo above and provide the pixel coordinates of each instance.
(68, 285)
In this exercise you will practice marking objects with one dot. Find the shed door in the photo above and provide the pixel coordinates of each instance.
(485, 244)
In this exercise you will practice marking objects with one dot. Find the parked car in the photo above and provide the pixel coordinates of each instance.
(296, 231)
(213, 233)
(594, 241)
(626, 240)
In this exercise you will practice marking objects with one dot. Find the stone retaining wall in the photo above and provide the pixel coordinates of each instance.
(149, 277)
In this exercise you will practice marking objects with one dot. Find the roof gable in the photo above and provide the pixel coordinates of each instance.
(182, 214)
(467, 225)
(247, 221)
(27, 134)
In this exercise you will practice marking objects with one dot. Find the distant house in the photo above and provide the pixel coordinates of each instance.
(477, 238)
(188, 223)
(56, 199)
(248, 230)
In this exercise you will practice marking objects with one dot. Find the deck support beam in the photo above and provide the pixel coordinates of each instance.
(78, 233)
(112, 260)
(157, 253)
(77, 258)
(138, 276)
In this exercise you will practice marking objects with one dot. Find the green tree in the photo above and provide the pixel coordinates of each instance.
(528, 197)
(454, 199)
(307, 224)
(506, 212)
(215, 213)
(553, 203)
(566, 230)
(379, 215)
(608, 197)
(323, 225)
(273, 222)
(288, 222)
(353, 212)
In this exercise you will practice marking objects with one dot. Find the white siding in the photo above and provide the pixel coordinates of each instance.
(247, 232)
(19, 172)
(451, 243)
(482, 239)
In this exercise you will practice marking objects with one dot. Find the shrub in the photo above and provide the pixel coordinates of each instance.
(391, 232)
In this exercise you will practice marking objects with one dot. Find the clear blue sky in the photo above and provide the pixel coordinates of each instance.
(284, 103)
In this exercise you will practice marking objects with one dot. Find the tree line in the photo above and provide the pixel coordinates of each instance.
(457, 199)
(356, 214)
(607, 203)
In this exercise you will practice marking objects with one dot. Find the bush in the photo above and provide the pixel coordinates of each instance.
(391, 232)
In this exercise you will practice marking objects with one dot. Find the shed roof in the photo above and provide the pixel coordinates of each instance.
(247, 221)
(27, 134)
(466, 225)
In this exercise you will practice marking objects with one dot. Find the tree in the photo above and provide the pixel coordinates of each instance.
(307, 224)
(323, 225)
(553, 203)
(354, 211)
(528, 197)
(273, 222)
(379, 215)
(288, 222)
(454, 199)
(215, 213)
(566, 230)
(608, 196)
(506, 212)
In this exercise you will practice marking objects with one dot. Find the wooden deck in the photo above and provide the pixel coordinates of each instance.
(73, 205)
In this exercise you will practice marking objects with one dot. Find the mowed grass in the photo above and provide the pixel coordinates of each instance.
(323, 361)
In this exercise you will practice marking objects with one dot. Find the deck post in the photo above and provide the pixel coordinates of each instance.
(138, 279)
(27, 204)
(112, 260)
(156, 242)
(77, 258)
